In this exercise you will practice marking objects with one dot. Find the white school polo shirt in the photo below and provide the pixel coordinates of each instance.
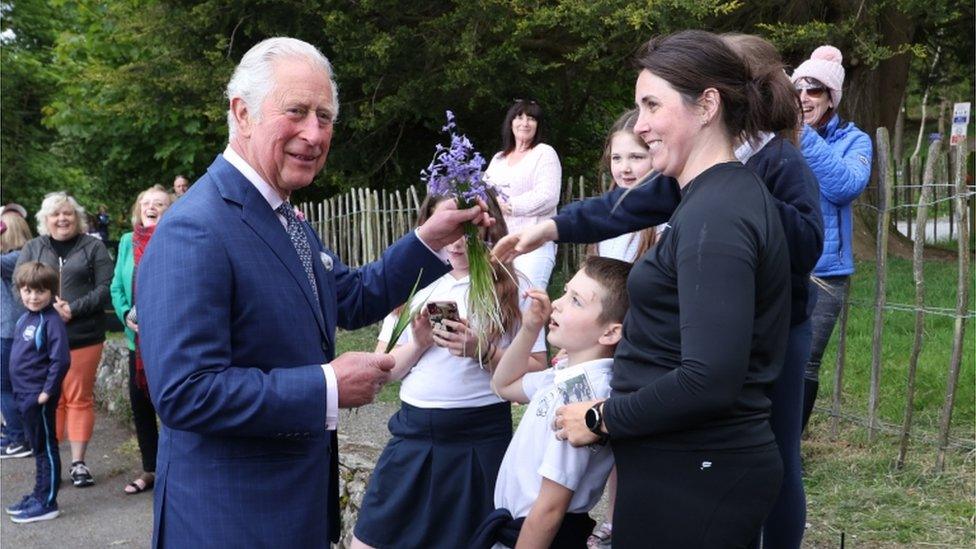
(440, 379)
(535, 453)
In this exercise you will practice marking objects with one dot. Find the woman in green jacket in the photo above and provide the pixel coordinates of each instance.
(146, 212)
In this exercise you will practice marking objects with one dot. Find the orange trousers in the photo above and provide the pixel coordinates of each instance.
(76, 409)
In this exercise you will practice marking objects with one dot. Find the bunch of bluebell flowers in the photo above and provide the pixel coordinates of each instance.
(458, 171)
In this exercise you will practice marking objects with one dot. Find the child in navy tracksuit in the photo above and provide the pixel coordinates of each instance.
(39, 359)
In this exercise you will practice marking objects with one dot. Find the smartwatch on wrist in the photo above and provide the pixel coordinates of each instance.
(594, 419)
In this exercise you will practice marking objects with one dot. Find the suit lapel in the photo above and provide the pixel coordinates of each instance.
(257, 214)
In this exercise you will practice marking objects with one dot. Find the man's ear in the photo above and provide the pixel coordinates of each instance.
(242, 115)
(611, 334)
(710, 102)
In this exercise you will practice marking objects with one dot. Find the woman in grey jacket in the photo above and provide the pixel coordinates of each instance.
(85, 270)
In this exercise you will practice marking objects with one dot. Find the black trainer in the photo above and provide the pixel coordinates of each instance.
(81, 477)
(16, 450)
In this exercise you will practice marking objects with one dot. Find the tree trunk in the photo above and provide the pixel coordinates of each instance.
(899, 130)
(943, 107)
(872, 99)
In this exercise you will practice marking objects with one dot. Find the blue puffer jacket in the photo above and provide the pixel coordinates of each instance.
(840, 156)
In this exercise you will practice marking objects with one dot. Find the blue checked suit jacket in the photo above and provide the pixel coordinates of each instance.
(233, 341)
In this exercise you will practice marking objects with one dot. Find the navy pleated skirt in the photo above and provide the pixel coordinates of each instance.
(435, 481)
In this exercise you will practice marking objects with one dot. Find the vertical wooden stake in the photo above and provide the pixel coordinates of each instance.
(918, 270)
(886, 173)
(962, 304)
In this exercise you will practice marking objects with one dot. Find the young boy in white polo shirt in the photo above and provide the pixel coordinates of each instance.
(546, 487)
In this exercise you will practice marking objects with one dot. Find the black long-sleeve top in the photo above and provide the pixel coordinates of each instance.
(781, 167)
(706, 332)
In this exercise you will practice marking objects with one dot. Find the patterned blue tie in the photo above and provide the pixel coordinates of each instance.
(296, 232)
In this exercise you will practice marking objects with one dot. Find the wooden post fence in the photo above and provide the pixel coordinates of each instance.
(360, 224)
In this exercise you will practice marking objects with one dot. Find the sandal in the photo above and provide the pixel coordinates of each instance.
(600, 537)
(133, 488)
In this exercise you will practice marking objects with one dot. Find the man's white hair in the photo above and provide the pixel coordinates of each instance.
(253, 78)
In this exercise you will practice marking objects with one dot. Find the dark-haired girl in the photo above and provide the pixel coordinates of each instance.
(528, 174)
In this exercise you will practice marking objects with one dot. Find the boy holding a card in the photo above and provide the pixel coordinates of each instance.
(546, 487)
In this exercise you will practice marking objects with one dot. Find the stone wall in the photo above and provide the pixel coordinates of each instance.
(356, 462)
(356, 459)
(112, 380)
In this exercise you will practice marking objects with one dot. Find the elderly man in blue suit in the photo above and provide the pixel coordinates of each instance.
(238, 302)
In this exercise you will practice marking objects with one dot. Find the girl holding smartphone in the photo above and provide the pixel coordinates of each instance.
(435, 479)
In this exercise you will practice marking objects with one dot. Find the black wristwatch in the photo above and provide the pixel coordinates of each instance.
(594, 419)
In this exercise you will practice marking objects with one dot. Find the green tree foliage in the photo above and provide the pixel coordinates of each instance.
(137, 94)
(879, 40)
(107, 98)
(31, 163)
(131, 107)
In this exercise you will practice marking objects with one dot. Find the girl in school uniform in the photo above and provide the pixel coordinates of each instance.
(435, 479)
(627, 158)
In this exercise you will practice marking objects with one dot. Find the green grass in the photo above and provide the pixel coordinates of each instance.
(933, 365)
(852, 487)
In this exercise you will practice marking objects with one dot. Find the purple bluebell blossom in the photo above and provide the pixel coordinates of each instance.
(458, 170)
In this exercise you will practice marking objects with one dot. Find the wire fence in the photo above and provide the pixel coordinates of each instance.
(942, 222)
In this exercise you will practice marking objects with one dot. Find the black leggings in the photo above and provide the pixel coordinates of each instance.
(144, 417)
(691, 499)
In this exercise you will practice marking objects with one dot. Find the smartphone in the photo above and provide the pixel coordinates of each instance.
(438, 311)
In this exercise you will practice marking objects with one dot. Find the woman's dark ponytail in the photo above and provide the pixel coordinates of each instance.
(777, 104)
(754, 100)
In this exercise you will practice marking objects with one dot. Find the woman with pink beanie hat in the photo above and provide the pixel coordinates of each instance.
(839, 154)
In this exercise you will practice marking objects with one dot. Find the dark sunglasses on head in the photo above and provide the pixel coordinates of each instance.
(812, 91)
(526, 101)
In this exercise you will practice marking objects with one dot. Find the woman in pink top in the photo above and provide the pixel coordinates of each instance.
(528, 174)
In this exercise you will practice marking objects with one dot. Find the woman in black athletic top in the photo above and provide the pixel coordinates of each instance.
(706, 331)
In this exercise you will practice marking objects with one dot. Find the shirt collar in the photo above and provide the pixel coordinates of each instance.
(745, 151)
(596, 364)
(249, 173)
(456, 281)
